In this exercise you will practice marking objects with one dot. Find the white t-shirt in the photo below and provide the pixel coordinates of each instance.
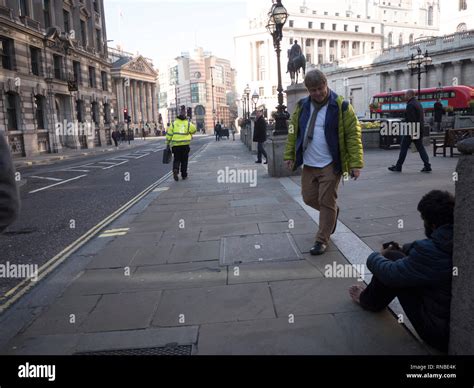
(317, 154)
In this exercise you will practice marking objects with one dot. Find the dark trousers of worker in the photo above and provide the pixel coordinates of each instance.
(405, 145)
(218, 137)
(377, 296)
(261, 151)
(180, 160)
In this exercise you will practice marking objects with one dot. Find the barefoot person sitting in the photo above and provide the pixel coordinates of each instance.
(419, 274)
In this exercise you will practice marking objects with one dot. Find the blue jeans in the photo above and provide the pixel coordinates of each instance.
(406, 141)
(261, 151)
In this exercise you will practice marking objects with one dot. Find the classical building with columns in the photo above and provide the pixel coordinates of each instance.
(134, 86)
(452, 57)
(55, 86)
(341, 31)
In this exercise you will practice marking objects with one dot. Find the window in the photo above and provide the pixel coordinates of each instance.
(219, 74)
(390, 39)
(107, 115)
(322, 26)
(261, 91)
(291, 40)
(411, 38)
(23, 8)
(331, 43)
(310, 24)
(356, 28)
(331, 58)
(400, 40)
(198, 93)
(7, 53)
(96, 6)
(83, 33)
(58, 66)
(346, 27)
(308, 42)
(35, 57)
(462, 27)
(372, 45)
(462, 5)
(12, 105)
(95, 112)
(274, 90)
(334, 27)
(320, 43)
(103, 77)
(320, 58)
(98, 40)
(430, 15)
(308, 58)
(67, 26)
(292, 23)
(372, 30)
(39, 111)
(354, 45)
(46, 13)
(92, 82)
(80, 111)
(76, 66)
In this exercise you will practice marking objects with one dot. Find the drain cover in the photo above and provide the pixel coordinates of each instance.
(178, 350)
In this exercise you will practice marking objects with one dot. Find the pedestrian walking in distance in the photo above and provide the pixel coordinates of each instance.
(260, 136)
(217, 131)
(9, 198)
(178, 137)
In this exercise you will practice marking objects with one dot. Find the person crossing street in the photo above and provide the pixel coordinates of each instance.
(178, 137)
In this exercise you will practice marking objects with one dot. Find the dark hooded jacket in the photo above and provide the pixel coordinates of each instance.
(9, 198)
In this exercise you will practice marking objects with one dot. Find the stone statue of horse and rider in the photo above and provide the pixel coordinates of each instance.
(296, 62)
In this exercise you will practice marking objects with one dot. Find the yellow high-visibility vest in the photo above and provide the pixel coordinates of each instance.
(180, 133)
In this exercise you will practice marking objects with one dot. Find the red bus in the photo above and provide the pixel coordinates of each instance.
(393, 104)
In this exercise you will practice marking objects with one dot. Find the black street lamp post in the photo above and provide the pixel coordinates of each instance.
(277, 19)
(212, 90)
(255, 98)
(247, 94)
(415, 64)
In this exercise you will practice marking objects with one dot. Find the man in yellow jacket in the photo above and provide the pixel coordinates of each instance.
(178, 137)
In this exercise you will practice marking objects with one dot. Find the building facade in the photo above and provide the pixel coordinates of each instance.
(202, 82)
(134, 87)
(457, 16)
(453, 64)
(351, 29)
(55, 85)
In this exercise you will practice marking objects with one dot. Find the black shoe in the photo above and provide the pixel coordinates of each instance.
(265, 162)
(184, 177)
(426, 169)
(258, 161)
(395, 168)
(318, 248)
(175, 175)
(335, 225)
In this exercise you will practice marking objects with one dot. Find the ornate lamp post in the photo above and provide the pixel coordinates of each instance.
(255, 98)
(247, 94)
(277, 19)
(415, 64)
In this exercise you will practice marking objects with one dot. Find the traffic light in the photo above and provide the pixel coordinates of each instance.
(190, 112)
(125, 115)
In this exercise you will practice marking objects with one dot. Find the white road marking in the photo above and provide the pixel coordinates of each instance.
(115, 165)
(57, 184)
(49, 179)
(74, 170)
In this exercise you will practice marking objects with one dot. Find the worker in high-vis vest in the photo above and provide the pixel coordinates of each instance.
(178, 137)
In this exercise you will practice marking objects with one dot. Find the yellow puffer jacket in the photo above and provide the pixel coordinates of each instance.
(180, 133)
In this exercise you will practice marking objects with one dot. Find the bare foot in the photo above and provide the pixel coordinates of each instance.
(355, 291)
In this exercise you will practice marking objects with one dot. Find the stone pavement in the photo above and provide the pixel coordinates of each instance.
(225, 268)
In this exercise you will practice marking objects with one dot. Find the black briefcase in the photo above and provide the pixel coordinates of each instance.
(167, 155)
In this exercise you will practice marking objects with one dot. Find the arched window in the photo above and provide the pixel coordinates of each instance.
(40, 107)
(461, 27)
(390, 39)
(107, 113)
(430, 15)
(462, 5)
(95, 112)
(12, 104)
(400, 40)
(411, 38)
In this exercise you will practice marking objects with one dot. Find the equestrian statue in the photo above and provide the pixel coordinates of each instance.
(296, 61)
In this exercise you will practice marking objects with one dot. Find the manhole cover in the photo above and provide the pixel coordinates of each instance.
(178, 350)
(258, 248)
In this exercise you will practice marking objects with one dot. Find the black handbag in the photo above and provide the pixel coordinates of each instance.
(167, 155)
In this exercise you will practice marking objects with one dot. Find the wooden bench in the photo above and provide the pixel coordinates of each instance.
(450, 139)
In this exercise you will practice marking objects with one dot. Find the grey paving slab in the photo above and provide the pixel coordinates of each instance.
(217, 232)
(293, 227)
(263, 247)
(254, 201)
(271, 271)
(128, 339)
(181, 235)
(135, 239)
(190, 252)
(122, 312)
(244, 210)
(214, 304)
(314, 296)
(297, 215)
(65, 316)
(113, 257)
(47, 345)
(368, 333)
(184, 275)
(212, 198)
(156, 255)
(368, 227)
(313, 335)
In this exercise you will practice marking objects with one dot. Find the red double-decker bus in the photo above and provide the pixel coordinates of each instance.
(393, 104)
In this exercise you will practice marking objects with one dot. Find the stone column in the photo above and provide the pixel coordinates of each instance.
(120, 99)
(136, 104)
(150, 102)
(154, 108)
(316, 51)
(461, 341)
(439, 74)
(349, 51)
(326, 48)
(457, 72)
(338, 49)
